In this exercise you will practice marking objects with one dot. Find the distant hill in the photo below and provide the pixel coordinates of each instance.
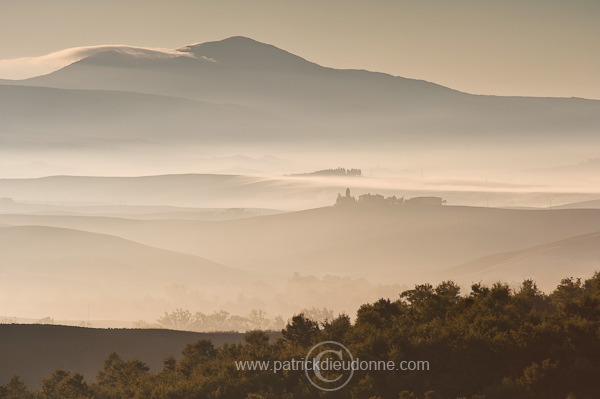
(585, 174)
(41, 116)
(35, 351)
(587, 167)
(183, 190)
(593, 204)
(135, 212)
(577, 256)
(51, 243)
(45, 269)
(381, 243)
(247, 191)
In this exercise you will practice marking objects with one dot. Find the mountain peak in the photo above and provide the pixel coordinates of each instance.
(247, 53)
(243, 39)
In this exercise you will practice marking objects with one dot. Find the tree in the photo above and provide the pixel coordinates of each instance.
(64, 385)
(179, 319)
(195, 355)
(256, 338)
(122, 379)
(15, 388)
(301, 331)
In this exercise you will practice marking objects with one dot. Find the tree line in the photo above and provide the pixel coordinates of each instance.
(223, 321)
(492, 343)
(332, 172)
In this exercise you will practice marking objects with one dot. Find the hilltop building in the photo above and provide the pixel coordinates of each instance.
(347, 199)
(378, 199)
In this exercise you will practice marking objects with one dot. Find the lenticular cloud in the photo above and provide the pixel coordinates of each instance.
(27, 67)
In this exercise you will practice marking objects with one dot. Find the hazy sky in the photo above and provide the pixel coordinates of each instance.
(507, 47)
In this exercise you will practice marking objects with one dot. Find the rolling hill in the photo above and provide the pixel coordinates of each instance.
(46, 270)
(135, 212)
(593, 204)
(382, 244)
(185, 190)
(546, 264)
(83, 193)
(47, 243)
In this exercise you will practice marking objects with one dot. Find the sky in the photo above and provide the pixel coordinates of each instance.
(507, 47)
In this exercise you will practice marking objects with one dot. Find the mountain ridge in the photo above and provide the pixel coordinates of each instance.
(295, 104)
(339, 102)
(241, 45)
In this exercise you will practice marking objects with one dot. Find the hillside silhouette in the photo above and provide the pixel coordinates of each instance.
(331, 103)
(34, 351)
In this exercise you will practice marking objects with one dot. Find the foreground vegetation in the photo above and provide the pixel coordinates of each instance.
(493, 343)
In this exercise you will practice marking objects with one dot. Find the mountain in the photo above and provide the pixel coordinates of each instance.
(244, 53)
(546, 264)
(34, 352)
(235, 70)
(337, 104)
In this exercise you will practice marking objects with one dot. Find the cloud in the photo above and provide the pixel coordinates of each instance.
(27, 67)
